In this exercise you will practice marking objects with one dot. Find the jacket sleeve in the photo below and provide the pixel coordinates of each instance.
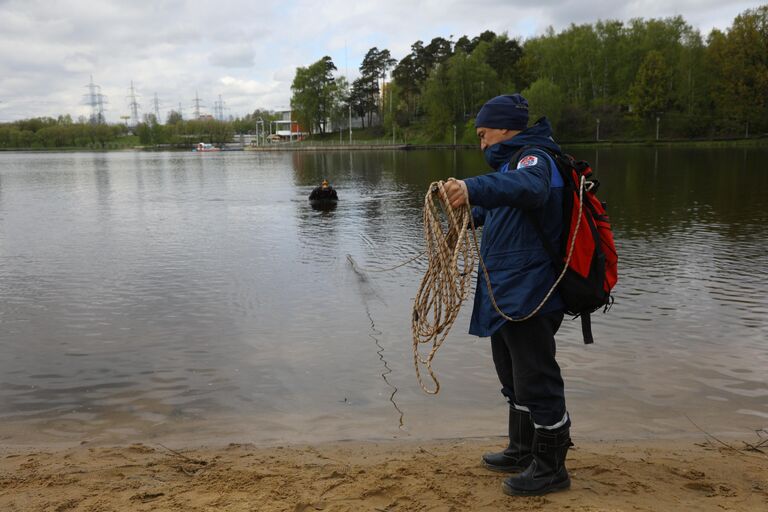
(526, 187)
(478, 216)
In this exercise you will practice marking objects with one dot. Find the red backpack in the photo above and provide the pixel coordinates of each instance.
(586, 244)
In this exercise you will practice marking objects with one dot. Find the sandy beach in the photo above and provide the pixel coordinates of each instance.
(701, 475)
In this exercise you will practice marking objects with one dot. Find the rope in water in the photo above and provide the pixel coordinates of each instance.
(452, 250)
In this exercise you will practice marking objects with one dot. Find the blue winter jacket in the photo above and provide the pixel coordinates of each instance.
(520, 268)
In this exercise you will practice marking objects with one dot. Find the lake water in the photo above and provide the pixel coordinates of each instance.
(197, 297)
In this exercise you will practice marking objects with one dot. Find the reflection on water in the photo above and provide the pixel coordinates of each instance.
(174, 294)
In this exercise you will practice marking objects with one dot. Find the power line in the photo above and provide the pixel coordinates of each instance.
(134, 106)
(96, 101)
(156, 103)
(218, 109)
(197, 104)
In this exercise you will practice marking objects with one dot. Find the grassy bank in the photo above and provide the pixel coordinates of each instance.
(120, 144)
(755, 142)
(418, 135)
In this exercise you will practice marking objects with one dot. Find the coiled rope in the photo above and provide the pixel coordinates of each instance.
(452, 249)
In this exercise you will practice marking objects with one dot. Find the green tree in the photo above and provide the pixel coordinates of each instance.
(362, 98)
(472, 81)
(611, 44)
(313, 94)
(221, 131)
(651, 90)
(437, 102)
(436, 52)
(374, 67)
(412, 71)
(740, 67)
(174, 117)
(407, 76)
(395, 114)
(464, 44)
(150, 131)
(340, 102)
(503, 56)
(545, 99)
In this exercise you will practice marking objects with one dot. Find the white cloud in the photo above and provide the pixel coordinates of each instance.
(247, 86)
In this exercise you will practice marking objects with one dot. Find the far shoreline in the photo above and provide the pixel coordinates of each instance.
(752, 142)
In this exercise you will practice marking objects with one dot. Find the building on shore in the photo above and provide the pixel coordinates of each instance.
(286, 128)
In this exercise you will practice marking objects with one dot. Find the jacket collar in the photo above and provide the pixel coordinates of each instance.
(539, 134)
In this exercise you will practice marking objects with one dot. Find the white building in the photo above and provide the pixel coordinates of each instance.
(285, 127)
(288, 129)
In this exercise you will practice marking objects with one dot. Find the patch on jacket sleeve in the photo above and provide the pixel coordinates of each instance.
(527, 161)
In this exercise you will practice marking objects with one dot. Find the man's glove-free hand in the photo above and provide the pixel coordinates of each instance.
(456, 190)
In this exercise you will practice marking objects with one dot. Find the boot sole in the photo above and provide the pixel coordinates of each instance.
(560, 486)
(502, 469)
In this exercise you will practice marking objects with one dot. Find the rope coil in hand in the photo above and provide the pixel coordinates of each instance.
(452, 249)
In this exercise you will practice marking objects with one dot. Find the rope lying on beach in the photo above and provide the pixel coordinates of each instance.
(452, 250)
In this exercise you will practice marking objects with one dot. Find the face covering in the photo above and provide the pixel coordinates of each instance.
(497, 155)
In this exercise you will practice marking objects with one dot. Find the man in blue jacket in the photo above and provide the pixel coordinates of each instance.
(524, 186)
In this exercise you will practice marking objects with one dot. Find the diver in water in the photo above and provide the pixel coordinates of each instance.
(324, 192)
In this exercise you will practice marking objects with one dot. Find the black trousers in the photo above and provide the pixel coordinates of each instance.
(524, 355)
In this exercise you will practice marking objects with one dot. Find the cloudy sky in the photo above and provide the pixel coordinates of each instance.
(247, 51)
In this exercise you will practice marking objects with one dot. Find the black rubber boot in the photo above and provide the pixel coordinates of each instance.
(518, 455)
(547, 472)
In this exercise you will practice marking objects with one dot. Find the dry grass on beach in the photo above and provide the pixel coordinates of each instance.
(386, 476)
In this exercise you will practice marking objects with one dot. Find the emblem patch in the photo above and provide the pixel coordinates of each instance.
(527, 161)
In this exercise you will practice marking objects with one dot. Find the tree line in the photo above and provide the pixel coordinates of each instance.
(181, 132)
(60, 132)
(609, 80)
(63, 132)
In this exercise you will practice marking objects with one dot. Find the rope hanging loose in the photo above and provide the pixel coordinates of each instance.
(446, 282)
(452, 249)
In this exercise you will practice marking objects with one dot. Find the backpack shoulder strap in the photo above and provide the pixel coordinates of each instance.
(516, 155)
(586, 319)
(553, 254)
(586, 328)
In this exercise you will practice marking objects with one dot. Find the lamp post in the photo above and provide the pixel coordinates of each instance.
(597, 133)
(658, 120)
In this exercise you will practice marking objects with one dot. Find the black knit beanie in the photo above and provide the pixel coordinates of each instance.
(508, 111)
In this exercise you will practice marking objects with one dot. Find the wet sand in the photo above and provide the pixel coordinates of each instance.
(694, 474)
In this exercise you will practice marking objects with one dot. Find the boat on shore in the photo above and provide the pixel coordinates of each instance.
(204, 147)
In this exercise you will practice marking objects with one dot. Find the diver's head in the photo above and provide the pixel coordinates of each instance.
(325, 184)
